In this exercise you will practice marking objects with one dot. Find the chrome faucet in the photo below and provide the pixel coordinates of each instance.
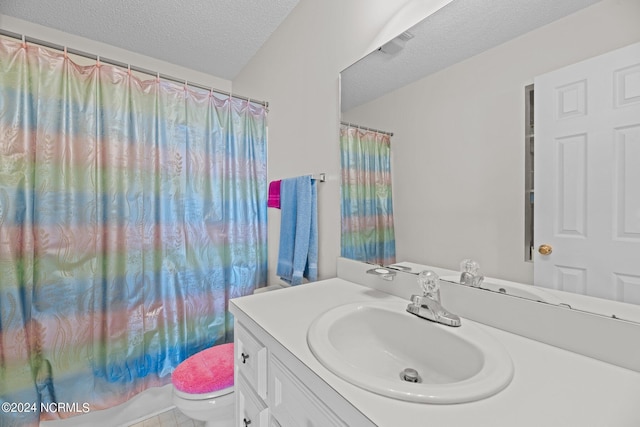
(469, 275)
(428, 305)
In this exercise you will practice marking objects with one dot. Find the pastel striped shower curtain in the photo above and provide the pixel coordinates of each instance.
(367, 206)
(130, 212)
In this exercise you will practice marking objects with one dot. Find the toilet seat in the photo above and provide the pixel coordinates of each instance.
(202, 396)
(206, 374)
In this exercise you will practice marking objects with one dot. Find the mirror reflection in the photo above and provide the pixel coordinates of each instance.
(453, 90)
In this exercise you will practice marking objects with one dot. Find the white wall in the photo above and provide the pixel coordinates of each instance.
(61, 38)
(458, 148)
(297, 72)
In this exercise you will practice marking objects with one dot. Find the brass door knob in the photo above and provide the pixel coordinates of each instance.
(545, 249)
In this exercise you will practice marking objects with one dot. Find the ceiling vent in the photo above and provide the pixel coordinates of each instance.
(396, 44)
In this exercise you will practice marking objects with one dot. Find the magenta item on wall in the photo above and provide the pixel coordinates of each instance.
(273, 201)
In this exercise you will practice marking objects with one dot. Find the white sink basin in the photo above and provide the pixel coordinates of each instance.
(370, 344)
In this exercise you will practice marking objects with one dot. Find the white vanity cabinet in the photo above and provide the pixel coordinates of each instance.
(273, 388)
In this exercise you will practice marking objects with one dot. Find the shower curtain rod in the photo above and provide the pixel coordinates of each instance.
(50, 45)
(366, 128)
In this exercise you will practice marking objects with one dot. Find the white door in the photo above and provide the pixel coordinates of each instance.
(587, 177)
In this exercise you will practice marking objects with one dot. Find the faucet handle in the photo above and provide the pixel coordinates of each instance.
(469, 266)
(429, 281)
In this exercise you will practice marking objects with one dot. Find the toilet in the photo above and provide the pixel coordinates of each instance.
(203, 383)
(203, 386)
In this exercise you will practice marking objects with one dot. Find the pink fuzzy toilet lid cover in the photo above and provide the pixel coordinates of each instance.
(206, 371)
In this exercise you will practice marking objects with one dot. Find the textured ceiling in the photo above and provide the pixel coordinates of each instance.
(458, 31)
(217, 37)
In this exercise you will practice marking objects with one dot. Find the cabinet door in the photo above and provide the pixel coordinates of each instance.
(250, 409)
(251, 360)
(292, 403)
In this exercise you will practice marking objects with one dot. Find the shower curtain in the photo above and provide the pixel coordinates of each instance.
(130, 212)
(367, 208)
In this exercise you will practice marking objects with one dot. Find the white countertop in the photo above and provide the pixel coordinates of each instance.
(551, 386)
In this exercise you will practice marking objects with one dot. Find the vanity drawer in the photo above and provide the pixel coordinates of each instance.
(250, 409)
(293, 404)
(251, 360)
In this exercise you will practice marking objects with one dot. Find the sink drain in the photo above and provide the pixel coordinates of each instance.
(410, 375)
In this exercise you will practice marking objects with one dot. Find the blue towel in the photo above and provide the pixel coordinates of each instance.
(298, 252)
(311, 268)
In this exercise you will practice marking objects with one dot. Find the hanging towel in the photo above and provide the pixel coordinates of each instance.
(273, 201)
(298, 253)
(311, 268)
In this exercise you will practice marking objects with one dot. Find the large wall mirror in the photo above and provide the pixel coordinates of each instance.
(453, 90)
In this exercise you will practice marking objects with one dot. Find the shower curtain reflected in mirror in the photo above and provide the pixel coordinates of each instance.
(130, 212)
(367, 207)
